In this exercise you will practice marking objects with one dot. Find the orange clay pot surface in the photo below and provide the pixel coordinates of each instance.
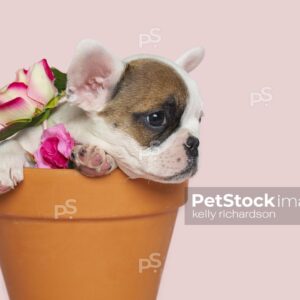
(67, 237)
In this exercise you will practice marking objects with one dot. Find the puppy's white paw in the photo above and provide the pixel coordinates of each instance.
(12, 162)
(92, 161)
(11, 173)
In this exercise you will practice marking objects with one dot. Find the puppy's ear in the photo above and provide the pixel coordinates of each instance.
(92, 76)
(191, 59)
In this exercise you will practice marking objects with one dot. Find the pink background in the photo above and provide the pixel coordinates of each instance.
(249, 45)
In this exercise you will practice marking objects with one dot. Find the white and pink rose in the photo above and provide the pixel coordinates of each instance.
(29, 94)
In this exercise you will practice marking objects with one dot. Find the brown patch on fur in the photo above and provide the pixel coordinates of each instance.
(147, 86)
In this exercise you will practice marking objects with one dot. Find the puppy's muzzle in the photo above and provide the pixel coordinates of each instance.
(191, 146)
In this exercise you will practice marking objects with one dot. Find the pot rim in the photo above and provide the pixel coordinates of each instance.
(66, 195)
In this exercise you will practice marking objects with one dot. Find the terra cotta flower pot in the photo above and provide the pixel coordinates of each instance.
(67, 237)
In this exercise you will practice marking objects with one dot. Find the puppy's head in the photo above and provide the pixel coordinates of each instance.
(144, 111)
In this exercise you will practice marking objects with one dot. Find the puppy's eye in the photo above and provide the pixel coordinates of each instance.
(157, 119)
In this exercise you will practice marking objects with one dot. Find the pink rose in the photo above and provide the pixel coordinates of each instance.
(55, 149)
(32, 90)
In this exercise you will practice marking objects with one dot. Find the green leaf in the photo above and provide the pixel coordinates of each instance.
(12, 129)
(53, 102)
(60, 80)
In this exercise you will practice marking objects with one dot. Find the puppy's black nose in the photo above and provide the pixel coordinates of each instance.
(191, 146)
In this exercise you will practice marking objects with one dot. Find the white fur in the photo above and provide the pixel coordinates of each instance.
(13, 160)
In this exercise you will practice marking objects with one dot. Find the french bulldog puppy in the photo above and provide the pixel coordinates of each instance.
(140, 114)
